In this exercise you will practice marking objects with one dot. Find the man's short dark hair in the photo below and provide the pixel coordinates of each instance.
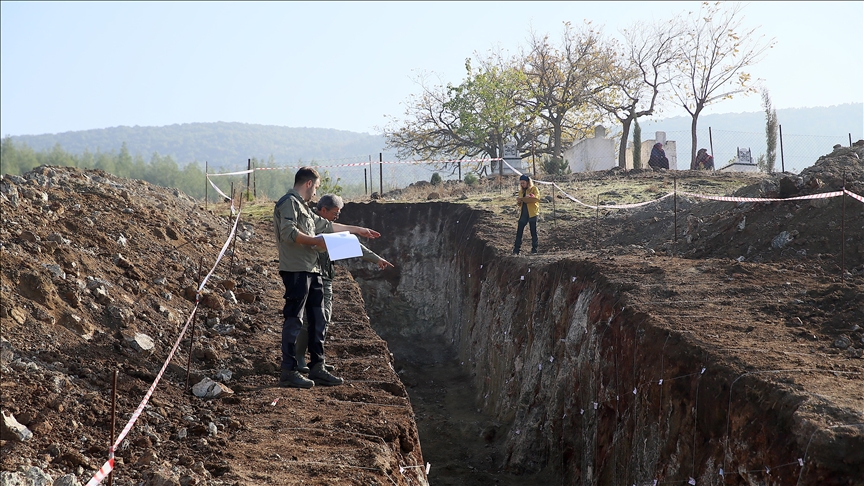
(329, 201)
(305, 174)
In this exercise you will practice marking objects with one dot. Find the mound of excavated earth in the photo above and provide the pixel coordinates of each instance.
(618, 355)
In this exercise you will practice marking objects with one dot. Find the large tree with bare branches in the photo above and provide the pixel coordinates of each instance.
(714, 53)
(637, 74)
(560, 83)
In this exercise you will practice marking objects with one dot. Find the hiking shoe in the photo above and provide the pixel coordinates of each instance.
(321, 376)
(293, 379)
(533, 250)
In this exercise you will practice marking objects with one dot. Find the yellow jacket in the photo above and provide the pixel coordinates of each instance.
(533, 207)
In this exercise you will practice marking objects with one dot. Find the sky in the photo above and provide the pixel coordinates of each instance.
(69, 66)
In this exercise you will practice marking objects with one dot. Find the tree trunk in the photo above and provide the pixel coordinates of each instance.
(625, 134)
(556, 137)
(695, 118)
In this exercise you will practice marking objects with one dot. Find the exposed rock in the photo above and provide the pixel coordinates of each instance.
(77, 325)
(67, 480)
(12, 430)
(37, 287)
(138, 341)
(208, 388)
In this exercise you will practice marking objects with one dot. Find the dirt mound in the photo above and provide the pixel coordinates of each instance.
(99, 274)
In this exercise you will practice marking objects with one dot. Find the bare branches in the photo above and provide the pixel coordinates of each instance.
(714, 53)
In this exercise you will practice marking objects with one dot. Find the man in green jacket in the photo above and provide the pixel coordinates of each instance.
(294, 224)
(329, 207)
(529, 206)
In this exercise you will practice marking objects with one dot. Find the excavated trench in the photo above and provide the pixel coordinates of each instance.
(530, 371)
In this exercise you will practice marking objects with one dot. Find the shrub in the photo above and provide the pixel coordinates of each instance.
(470, 179)
(436, 179)
(555, 166)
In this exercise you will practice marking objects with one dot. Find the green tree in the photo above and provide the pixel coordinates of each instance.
(768, 162)
(436, 179)
(554, 165)
(637, 145)
(478, 116)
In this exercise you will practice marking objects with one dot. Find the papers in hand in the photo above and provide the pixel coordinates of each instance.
(342, 245)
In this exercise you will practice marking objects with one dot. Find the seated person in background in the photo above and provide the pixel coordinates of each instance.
(703, 161)
(658, 158)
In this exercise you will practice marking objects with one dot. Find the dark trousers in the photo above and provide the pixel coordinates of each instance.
(303, 291)
(532, 224)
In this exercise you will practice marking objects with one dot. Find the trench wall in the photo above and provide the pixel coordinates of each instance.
(556, 355)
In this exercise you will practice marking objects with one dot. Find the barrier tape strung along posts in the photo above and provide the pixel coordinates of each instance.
(233, 211)
(823, 195)
(611, 206)
(106, 468)
(854, 196)
(366, 164)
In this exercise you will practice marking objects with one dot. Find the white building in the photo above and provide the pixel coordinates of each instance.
(743, 163)
(592, 154)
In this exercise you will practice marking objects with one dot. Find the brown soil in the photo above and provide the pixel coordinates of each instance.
(132, 252)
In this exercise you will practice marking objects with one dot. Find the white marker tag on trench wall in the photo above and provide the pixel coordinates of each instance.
(342, 245)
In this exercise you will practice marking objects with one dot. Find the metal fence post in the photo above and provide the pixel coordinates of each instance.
(782, 162)
(710, 141)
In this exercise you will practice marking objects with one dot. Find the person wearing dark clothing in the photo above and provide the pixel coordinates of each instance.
(329, 207)
(703, 161)
(529, 206)
(658, 158)
(294, 224)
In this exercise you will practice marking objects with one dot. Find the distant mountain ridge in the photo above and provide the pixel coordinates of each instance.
(230, 144)
(220, 144)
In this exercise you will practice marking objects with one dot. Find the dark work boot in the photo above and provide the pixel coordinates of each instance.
(293, 379)
(321, 376)
(301, 366)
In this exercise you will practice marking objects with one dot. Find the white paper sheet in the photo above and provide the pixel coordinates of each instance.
(342, 245)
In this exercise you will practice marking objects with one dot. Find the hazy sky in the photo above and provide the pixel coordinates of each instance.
(74, 66)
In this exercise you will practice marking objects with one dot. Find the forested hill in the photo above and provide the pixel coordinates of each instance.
(220, 144)
(229, 145)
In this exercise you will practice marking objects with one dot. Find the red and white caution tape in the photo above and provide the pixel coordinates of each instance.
(360, 164)
(109, 465)
(233, 211)
(248, 171)
(823, 195)
(855, 196)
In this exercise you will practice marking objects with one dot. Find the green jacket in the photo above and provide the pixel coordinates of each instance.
(290, 216)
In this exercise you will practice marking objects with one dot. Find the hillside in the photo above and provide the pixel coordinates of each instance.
(807, 132)
(220, 144)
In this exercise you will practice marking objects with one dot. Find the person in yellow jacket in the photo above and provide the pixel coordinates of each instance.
(528, 203)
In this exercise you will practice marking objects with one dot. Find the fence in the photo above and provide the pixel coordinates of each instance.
(366, 174)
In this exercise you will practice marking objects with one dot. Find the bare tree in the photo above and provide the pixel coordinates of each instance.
(714, 54)
(636, 77)
(560, 82)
